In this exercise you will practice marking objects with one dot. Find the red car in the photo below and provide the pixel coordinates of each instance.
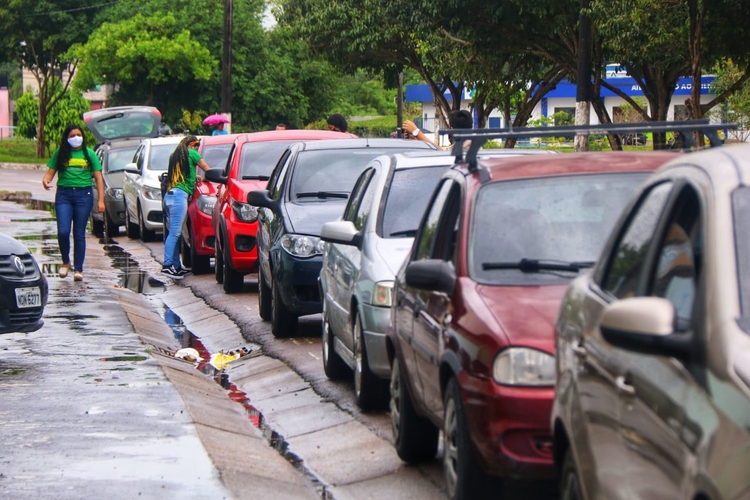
(251, 160)
(198, 236)
(472, 331)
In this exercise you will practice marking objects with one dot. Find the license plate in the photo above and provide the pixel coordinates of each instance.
(28, 297)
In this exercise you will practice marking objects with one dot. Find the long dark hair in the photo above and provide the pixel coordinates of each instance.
(63, 153)
(179, 163)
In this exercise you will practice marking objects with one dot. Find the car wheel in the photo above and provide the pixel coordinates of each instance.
(201, 264)
(219, 266)
(146, 234)
(371, 390)
(415, 437)
(463, 472)
(570, 486)
(333, 365)
(265, 306)
(131, 229)
(283, 322)
(111, 228)
(232, 280)
(97, 227)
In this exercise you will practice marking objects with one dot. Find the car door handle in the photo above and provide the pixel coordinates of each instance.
(623, 387)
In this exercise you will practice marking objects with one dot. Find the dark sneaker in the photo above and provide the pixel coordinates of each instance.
(183, 272)
(172, 273)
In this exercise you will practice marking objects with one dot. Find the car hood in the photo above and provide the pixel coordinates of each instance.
(239, 189)
(9, 246)
(393, 251)
(308, 217)
(527, 315)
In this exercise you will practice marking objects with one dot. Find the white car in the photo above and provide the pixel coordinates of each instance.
(142, 192)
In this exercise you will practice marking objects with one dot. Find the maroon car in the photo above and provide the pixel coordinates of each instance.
(472, 330)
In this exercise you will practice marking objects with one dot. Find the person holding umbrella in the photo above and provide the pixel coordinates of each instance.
(219, 121)
(220, 130)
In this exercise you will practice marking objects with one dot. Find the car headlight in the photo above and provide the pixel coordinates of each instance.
(302, 246)
(524, 366)
(205, 204)
(115, 193)
(245, 212)
(152, 193)
(381, 293)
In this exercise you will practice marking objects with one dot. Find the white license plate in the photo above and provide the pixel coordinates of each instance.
(28, 297)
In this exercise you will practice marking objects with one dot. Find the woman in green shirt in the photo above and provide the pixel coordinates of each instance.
(75, 166)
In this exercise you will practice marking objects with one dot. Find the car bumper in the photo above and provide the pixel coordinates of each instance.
(203, 233)
(243, 245)
(153, 216)
(15, 319)
(115, 210)
(298, 283)
(510, 427)
(375, 321)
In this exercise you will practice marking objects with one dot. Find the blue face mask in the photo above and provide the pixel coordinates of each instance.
(75, 141)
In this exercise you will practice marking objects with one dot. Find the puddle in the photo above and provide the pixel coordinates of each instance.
(14, 371)
(48, 206)
(124, 358)
(132, 277)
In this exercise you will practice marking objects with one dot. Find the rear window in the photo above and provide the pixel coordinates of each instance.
(407, 198)
(159, 159)
(329, 171)
(118, 158)
(555, 219)
(259, 158)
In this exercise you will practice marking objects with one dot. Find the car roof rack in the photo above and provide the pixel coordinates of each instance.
(479, 137)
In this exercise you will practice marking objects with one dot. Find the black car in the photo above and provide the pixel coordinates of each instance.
(308, 187)
(119, 131)
(23, 288)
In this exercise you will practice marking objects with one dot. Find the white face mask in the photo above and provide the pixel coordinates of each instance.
(75, 141)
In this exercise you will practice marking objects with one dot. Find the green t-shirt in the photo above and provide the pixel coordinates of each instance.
(189, 184)
(77, 173)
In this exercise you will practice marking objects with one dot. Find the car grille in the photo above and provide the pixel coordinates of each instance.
(24, 317)
(8, 270)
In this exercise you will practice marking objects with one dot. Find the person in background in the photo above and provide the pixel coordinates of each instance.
(220, 130)
(281, 126)
(458, 119)
(181, 179)
(337, 123)
(75, 166)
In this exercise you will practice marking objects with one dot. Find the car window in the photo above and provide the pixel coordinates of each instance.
(328, 171)
(118, 158)
(216, 154)
(365, 205)
(159, 156)
(628, 258)
(679, 258)
(278, 175)
(741, 214)
(138, 158)
(557, 221)
(409, 191)
(259, 158)
(425, 241)
(358, 192)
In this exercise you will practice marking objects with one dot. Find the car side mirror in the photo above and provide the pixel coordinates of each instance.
(645, 325)
(431, 274)
(132, 168)
(343, 232)
(262, 198)
(216, 175)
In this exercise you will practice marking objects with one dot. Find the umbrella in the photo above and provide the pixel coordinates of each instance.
(215, 120)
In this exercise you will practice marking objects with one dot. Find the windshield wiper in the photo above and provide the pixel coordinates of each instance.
(255, 177)
(405, 232)
(323, 194)
(537, 265)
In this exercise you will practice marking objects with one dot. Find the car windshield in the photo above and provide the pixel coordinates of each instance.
(329, 173)
(216, 154)
(544, 230)
(259, 158)
(159, 159)
(407, 198)
(118, 158)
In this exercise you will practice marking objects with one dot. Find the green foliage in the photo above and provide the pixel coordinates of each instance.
(27, 109)
(192, 121)
(737, 107)
(19, 150)
(69, 110)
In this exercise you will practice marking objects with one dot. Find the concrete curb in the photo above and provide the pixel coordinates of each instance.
(23, 166)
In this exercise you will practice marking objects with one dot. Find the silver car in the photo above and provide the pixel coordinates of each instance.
(653, 346)
(142, 189)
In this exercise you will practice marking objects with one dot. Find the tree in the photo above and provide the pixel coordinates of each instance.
(736, 109)
(37, 34)
(143, 55)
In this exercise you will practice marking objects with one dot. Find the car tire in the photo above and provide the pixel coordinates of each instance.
(131, 229)
(201, 264)
(464, 476)
(111, 228)
(415, 437)
(371, 391)
(219, 266)
(231, 279)
(146, 234)
(283, 322)
(333, 365)
(570, 485)
(265, 304)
